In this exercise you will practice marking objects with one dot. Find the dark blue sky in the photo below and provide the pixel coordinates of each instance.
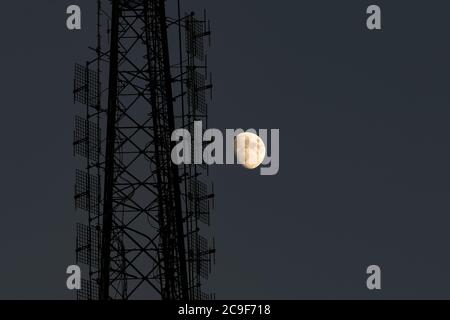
(364, 119)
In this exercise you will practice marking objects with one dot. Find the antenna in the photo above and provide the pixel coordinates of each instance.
(144, 234)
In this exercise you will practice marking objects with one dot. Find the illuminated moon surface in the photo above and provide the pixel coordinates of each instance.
(250, 150)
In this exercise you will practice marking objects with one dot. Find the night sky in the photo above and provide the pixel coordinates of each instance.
(364, 119)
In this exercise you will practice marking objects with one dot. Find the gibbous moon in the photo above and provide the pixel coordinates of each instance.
(250, 150)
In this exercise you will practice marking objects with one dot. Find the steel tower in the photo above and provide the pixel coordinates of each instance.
(145, 215)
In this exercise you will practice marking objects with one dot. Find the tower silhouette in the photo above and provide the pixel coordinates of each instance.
(145, 215)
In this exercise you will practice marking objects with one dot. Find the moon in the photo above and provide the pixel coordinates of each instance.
(250, 150)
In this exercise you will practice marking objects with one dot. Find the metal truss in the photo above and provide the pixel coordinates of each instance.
(145, 214)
